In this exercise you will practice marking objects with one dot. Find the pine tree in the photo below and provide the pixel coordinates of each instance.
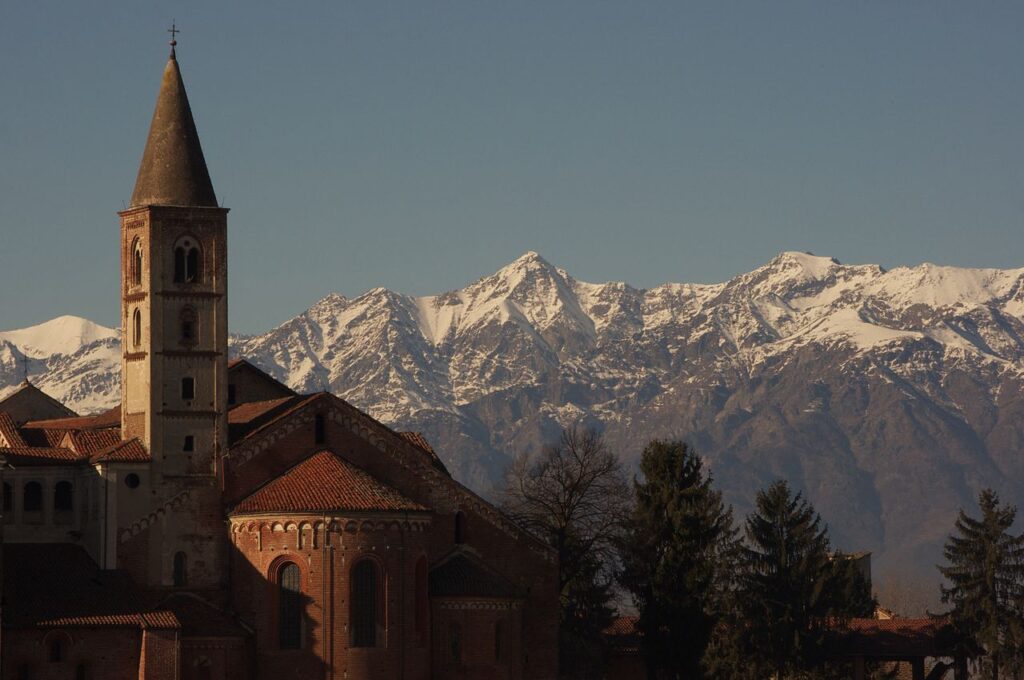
(985, 575)
(677, 558)
(792, 588)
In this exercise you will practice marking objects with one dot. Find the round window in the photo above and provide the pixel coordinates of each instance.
(131, 481)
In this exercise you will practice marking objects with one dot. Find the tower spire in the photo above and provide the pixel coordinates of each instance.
(173, 169)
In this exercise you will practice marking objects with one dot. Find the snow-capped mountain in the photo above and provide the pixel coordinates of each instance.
(891, 397)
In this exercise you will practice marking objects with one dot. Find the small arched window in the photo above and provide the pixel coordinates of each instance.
(180, 569)
(455, 642)
(188, 331)
(136, 328)
(289, 607)
(187, 262)
(56, 650)
(365, 603)
(63, 500)
(136, 262)
(422, 602)
(33, 497)
(460, 527)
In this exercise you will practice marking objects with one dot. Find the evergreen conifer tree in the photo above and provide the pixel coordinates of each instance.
(792, 589)
(677, 558)
(985, 575)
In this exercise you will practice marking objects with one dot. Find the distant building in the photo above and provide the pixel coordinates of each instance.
(218, 525)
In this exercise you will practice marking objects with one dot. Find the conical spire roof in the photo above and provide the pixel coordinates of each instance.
(173, 170)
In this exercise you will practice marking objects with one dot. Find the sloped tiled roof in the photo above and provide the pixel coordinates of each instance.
(200, 618)
(34, 436)
(130, 451)
(418, 440)
(10, 431)
(88, 442)
(896, 637)
(111, 418)
(48, 585)
(464, 576)
(623, 635)
(322, 483)
(37, 455)
(245, 418)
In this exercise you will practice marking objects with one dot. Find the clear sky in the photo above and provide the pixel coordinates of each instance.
(419, 145)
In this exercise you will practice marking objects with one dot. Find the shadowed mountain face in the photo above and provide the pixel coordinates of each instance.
(891, 398)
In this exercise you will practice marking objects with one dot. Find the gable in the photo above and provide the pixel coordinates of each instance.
(246, 384)
(29, 402)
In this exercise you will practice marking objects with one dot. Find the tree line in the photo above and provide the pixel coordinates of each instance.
(718, 598)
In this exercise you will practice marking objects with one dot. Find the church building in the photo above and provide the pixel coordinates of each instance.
(216, 524)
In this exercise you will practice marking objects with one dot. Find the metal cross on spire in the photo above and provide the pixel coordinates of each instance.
(173, 30)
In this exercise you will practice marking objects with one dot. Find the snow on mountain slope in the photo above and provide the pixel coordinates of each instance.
(891, 397)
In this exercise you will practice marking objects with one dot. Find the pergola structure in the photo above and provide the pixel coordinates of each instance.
(909, 641)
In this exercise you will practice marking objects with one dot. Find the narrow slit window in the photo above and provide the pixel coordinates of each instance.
(365, 601)
(188, 388)
(189, 444)
(136, 328)
(180, 574)
(320, 429)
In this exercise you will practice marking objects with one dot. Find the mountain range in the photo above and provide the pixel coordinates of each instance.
(888, 397)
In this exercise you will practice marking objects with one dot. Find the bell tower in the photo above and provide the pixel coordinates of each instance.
(174, 316)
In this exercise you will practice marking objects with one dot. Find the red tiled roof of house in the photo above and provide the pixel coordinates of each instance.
(38, 455)
(88, 442)
(34, 436)
(323, 483)
(246, 419)
(10, 431)
(49, 585)
(624, 634)
(896, 637)
(111, 418)
(130, 451)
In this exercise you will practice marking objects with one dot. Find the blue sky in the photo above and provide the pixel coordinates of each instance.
(419, 145)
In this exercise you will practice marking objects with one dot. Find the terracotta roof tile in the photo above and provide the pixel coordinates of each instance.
(37, 455)
(896, 637)
(90, 441)
(10, 431)
(130, 451)
(246, 418)
(111, 418)
(323, 483)
(57, 584)
(34, 436)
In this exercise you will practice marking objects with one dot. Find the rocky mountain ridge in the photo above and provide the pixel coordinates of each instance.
(890, 397)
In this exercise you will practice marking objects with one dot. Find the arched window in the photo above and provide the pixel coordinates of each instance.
(289, 607)
(136, 262)
(180, 569)
(56, 649)
(422, 602)
(63, 497)
(33, 497)
(460, 527)
(187, 329)
(187, 262)
(136, 328)
(455, 642)
(499, 641)
(365, 603)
